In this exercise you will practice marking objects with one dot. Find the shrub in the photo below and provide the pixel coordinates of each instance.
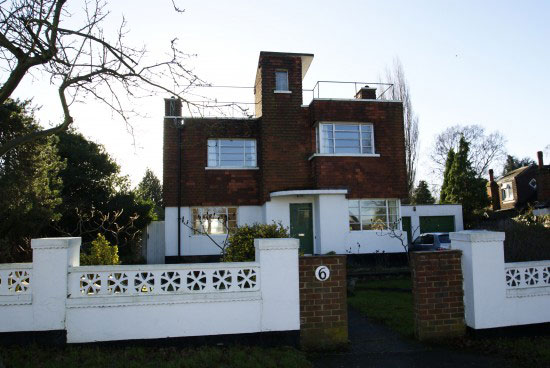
(102, 253)
(526, 237)
(241, 240)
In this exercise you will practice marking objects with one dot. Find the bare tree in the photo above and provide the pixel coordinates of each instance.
(400, 91)
(198, 228)
(486, 150)
(37, 38)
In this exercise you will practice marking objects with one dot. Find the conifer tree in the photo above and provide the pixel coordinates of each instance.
(462, 184)
(448, 164)
(422, 195)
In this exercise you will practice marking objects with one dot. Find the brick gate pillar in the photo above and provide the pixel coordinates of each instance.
(323, 304)
(438, 294)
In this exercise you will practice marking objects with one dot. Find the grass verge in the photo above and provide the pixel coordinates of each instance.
(142, 357)
(387, 302)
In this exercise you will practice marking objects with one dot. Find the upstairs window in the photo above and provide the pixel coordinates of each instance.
(232, 153)
(281, 80)
(506, 192)
(342, 138)
(373, 214)
(214, 220)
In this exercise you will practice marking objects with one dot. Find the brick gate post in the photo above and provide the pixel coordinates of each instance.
(437, 294)
(323, 304)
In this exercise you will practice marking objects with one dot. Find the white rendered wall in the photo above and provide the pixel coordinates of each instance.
(192, 245)
(488, 301)
(414, 212)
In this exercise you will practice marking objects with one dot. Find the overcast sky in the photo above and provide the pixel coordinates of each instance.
(482, 62)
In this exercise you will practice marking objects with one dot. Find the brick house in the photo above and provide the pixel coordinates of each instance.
(528, 185)
(332, 171)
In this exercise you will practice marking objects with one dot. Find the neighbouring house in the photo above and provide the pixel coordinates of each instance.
(528, 185)
(333, 171)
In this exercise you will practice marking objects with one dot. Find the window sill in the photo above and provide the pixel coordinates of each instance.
(344, 155)
(232, 168)
(278, 91)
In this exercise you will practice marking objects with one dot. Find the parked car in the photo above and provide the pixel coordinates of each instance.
(430, 241)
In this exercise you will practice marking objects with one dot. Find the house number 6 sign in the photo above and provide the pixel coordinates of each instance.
(322, 273)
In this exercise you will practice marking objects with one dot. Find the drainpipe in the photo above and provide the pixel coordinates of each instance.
(179, 191)
(174, 112)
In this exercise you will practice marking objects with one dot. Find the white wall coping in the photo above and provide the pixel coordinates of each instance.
(276, 243)
(285, 193)
(164, 267)
(55, 243)
(15, 299)
(477, 236)
(433, 204)
(15, 266)
(527, 264)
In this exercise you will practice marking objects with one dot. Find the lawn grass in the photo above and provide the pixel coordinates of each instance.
(380, 301)
(143, 357)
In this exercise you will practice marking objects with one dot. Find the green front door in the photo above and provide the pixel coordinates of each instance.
(437, 224)
(301, 225)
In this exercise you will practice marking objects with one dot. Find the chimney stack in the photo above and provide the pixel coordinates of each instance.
(491, 176)
(172, 107)
(493, 191)
(366, 93)
(541, 161)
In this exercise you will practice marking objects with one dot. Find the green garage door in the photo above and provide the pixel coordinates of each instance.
(437, 224)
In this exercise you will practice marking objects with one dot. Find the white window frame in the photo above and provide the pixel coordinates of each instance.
(506, 191)
(320, 137)
(203, 211)
(218, 154)
(387, 224)
(278, 90)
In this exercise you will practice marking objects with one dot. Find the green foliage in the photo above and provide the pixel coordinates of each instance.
(513, 163)
(96, 197)
(102, 253)
(150, 189)
(527, 236)
(448, 165)
(461, 185)
(241, 240)
(29, 182)
(422, 195)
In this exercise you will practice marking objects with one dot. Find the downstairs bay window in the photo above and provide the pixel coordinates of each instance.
(214, 220)
(373, 214)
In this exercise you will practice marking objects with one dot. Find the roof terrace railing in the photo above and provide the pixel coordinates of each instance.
(347, 90)
(206, 100)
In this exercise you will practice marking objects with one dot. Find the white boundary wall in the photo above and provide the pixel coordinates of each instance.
(105, 303)
(498, 294)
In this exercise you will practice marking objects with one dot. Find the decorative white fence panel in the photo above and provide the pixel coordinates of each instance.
(15, 279)
(106, 303)
(527, 274)
(498, 294)
(93, 281)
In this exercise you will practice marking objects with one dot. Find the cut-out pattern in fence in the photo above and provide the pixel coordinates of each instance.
(15, 281)
(121, 280)
(527, 275)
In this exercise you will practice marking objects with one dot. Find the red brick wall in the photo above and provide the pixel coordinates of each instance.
(438, 294)
(208, 187)
(286, 139)
(372, 177)
(323, 304)
(286, 135)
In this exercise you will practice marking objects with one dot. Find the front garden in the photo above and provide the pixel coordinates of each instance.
(390, 301)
